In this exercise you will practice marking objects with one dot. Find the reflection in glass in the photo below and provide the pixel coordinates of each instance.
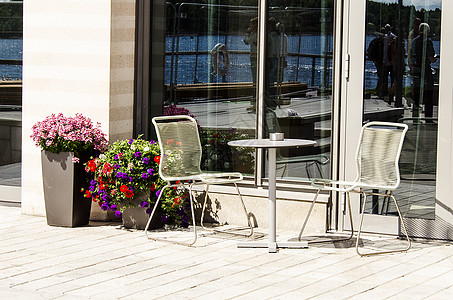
(211, 72)
(401, 85)
(298, 85)
(10, 93)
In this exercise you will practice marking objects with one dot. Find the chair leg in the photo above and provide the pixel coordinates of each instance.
(324, 241)
(284, 170)
(382, 252)
(307, 168)
(228, 231)
(154, 209)
(308, 215)
(318, 166)
(193, 219)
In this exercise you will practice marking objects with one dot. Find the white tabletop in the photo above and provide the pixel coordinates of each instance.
(266, 143)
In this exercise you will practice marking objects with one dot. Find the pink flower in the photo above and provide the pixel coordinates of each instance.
(61, 132)
(75, 159)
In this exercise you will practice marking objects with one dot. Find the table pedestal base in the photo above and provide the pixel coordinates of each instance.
(273, 246)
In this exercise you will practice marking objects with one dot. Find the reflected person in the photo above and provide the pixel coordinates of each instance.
(251, 38)
(423, 55)
(387, 59)
(375, 53)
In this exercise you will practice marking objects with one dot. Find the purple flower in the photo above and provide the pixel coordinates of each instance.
(145, 160)
(105, 197)
(104, 207)
(144, 204)
(131, 179)
(150, 172)
(152, 142)
(131, 141)
(185, 224)
(145, 175)
(148, 211)
(164, 218)
(115, 157)
(118, 213)
(93, 182)
(138, 154)
(116, 166)
(157, 193)
(92, 188)
(113, 207)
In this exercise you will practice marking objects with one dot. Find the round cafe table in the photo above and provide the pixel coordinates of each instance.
(272, 146)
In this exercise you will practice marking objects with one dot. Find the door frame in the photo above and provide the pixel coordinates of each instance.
(351, 102)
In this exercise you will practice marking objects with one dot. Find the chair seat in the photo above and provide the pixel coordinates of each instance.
(209, 178)
(347, 186)
(219, 178)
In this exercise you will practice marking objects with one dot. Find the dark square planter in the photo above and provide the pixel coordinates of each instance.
(62, 181)
(136, 217)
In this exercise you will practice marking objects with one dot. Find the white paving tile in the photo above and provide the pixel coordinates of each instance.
(104, 261)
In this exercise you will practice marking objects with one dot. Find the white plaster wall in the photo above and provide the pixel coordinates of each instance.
(444, 188)
(72, 61)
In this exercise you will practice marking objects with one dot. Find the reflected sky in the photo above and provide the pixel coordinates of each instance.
(426, 4)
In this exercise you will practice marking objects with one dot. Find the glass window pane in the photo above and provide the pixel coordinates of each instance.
(298, 93)
(10, 93)
(208, 74)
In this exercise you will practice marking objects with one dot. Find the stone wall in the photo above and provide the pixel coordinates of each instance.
(78, 58)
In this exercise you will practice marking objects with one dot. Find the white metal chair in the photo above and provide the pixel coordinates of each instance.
(180, 161)
(317, 160)
(377, 159)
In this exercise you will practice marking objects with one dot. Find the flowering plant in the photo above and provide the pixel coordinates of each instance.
(173, 110)
(57, 133)
(217, 155)
(128, 168)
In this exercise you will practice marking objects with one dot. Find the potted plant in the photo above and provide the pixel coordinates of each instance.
(126, 181)
(66, 143)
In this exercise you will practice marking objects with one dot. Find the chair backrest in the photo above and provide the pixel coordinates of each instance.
(378, 154)
(180, 147)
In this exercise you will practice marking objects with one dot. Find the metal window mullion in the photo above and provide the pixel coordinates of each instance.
(260, 88)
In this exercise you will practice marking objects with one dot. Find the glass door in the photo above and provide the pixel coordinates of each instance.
(400, 62)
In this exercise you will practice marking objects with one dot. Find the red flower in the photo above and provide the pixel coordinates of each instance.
(157, 159)
(123, 188)
(107, 169)
(177, 200)
(91, 165)
(87, 194)
(153, 187)
(178, 143)
(171, 141)
(129, 193)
